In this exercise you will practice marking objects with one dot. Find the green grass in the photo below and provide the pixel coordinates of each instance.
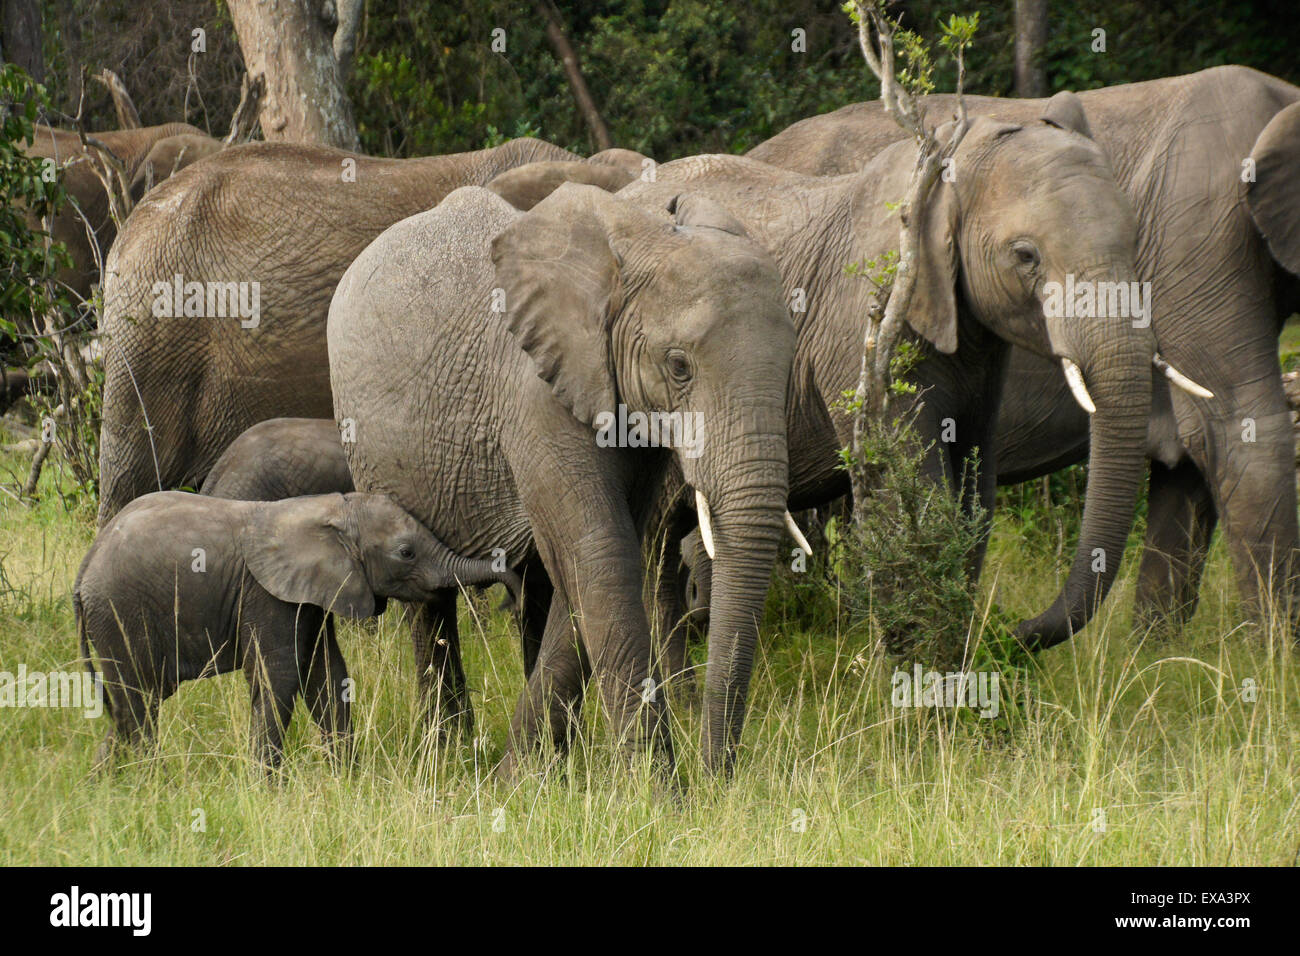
(1289, 345)
(1154, 734)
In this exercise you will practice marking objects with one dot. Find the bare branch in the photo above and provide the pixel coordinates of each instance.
(247, 112)
(887, 320)
(127, 117)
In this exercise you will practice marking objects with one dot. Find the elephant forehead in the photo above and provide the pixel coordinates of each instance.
(724, 285)
(710, 259)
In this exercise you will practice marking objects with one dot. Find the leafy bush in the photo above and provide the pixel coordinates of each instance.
(40, 324)
(28, 192)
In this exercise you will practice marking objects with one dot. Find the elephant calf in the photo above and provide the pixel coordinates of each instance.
(281, 458)
(180, 586)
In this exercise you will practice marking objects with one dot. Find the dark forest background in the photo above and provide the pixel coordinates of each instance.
(670, 77)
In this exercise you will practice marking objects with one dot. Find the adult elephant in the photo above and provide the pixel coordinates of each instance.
(1209, 161)
(140, 150)
(1030, 204)
(272, 225)
(489, 360)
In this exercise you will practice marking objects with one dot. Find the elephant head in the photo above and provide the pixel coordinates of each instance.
(349, 553)
(673, 330)
(1032, 236)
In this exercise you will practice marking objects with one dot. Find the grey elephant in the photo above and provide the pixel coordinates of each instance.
(259, 235)
(138, 149)
(1209, 162)
(291, 457)
(502, 361)
(180, 586)
(1030, 204)
(281, 458)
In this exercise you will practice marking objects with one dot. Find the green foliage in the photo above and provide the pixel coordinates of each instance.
(671, 77)
(959, 32)
(28, 193)
(32, 301)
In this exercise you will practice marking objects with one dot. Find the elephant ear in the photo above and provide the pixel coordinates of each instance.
(690, 210)
(1065, 111)
(560, 274)
(302, 550)
(1274, 196)
(933, 309)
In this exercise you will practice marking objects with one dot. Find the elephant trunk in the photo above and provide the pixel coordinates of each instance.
(450, 570)
(745, 520)
(1113, 360)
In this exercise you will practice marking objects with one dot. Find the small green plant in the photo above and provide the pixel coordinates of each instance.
(905, 561)
(496, 137)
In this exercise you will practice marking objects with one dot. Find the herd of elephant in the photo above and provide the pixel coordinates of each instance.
(467, 319)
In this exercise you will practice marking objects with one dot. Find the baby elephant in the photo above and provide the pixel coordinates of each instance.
(281, 458)
(180, 586)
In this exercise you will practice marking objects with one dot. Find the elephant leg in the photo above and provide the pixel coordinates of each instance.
(274, 683)
(126, 465)
(538, 592)
(671, 616)
(599, 577)
(1180, 521)
(1256, 500)
(325, 692)
(444, 694)
(134, 714)
(551, 704)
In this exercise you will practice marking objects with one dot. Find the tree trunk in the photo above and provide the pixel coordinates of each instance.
(345, 35)
(1031, 44)
(569, 60)
(22, 36)
(289, 44)
(70, 25)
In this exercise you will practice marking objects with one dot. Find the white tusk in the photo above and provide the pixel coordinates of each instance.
(1179, 379)
(795, 533)
(706, 523)
(1074, 378)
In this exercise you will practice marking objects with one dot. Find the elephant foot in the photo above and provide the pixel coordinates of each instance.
(104, 756)
(1159, 623)
(450, 723)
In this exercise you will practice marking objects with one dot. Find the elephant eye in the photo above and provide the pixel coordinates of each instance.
(1025, 253)
(406, 552)
(679, 366)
